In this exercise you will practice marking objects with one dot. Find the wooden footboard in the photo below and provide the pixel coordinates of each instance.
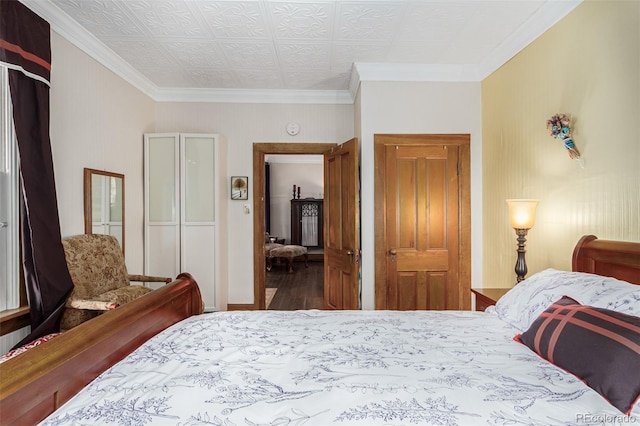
(37, 382)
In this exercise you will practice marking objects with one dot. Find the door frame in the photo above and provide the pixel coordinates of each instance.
(259, 152)
(463, 141)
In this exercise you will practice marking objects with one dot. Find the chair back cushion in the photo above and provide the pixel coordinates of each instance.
(96, 264)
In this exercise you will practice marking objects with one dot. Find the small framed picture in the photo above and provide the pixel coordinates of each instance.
(239, 187)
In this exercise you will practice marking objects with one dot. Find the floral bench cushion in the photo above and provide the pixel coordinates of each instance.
(288, 251)
(270, 246)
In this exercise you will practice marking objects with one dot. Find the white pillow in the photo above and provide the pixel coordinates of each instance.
(521, 305)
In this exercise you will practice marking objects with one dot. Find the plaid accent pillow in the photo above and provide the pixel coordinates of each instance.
(599, 346)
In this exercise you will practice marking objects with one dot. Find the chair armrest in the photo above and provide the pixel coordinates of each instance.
(92, 305)
(149, 279)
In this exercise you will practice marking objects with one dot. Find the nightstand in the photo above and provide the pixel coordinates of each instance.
(486, 297)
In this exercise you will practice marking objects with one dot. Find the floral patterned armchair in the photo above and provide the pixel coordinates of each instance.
(100, 278)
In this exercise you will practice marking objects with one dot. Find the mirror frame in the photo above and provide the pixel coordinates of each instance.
(88, 198)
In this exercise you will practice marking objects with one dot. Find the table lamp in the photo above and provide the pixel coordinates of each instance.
(522, 215)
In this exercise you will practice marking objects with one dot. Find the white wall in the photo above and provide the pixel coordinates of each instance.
(308, 176)
(417, 108)
(242, 125)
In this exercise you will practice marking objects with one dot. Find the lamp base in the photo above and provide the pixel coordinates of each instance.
(521, 264)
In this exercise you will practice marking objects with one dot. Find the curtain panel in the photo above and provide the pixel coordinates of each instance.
(267, 197)
(25, 48)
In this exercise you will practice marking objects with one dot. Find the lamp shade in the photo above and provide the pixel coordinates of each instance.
(522, 213)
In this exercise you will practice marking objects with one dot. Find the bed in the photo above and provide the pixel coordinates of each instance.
(345, 367)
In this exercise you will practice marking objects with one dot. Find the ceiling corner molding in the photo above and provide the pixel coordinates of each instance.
(354, 82)
(69, 29)
(416, 72)
(544, 18)
(263, 96)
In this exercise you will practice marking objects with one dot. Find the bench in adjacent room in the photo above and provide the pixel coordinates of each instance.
(289, 252)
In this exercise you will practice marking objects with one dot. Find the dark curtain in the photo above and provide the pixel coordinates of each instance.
(267, 198)
(25, 49)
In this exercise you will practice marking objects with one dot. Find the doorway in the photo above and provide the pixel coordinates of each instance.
(260, 150)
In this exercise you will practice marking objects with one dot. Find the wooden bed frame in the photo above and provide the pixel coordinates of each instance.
(37, 382)
(618, 259)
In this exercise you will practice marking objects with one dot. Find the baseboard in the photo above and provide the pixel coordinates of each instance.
(241, 307)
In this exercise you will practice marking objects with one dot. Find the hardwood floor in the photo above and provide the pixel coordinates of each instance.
(301, 289)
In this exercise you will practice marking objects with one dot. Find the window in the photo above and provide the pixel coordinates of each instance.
(9, 214)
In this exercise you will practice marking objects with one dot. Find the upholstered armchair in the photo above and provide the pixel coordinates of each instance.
(100, 278)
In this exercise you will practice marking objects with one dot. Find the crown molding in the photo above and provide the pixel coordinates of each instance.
(354, 82)
(264, 96)
(549, 14)
(544, 18)
(416, 72)
(62, 23)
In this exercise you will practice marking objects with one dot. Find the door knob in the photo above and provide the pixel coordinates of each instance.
(355, 257)
(393, 252)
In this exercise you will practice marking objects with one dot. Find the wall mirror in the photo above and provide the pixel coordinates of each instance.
(104, 203)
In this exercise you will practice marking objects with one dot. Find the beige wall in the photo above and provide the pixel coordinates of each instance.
(97, 121)
(242, 125)
(588, 66)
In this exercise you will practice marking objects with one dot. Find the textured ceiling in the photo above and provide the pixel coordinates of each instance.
(303, 45)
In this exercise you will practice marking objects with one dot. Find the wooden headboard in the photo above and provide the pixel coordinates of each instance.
(35, 383)
(618, 259)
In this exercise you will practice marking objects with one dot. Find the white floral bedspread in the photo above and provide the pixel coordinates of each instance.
(337, 368)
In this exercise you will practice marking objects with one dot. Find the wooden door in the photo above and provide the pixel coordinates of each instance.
(422, 226)
(341, 236)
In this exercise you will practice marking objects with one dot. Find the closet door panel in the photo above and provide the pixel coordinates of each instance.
(161, 188)
(162, 178)
(197, 177)
(198, 254)
(163, 259)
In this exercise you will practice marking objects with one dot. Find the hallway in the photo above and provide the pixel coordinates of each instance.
(301, 289)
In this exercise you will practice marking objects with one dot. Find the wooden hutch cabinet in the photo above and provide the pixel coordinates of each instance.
(307, 222)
